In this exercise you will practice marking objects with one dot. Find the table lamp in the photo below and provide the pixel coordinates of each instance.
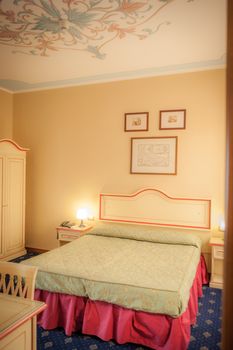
(82, 214)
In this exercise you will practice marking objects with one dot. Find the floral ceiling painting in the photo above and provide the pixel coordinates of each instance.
(54, 43)
(43, 27)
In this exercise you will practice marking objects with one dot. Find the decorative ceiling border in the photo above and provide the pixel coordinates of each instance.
(20, 86)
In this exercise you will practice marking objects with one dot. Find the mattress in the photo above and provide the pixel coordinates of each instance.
(137, 267)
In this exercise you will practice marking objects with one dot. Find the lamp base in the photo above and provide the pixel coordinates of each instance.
(81, 224)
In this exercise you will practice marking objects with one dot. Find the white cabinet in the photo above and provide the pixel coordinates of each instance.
(65, 234)
(12, 199)
(217, 259)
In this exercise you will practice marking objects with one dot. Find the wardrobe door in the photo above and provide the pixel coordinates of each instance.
(14, 213)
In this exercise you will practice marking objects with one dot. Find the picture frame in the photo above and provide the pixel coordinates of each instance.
(154, 155)
(172, 119)
(138, 121)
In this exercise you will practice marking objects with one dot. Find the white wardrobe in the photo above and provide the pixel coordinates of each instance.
(12, 199)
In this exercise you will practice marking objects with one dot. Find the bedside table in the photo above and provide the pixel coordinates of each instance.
(65, 234)
(217, 259)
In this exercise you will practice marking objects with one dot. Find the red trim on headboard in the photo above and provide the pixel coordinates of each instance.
(153, 223)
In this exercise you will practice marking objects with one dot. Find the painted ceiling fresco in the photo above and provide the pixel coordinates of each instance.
(91, 28)
(42, 27)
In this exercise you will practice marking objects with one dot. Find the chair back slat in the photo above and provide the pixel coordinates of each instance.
(17, 279)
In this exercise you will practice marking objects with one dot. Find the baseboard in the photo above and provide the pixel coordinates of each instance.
(36, 250)
(14, 255)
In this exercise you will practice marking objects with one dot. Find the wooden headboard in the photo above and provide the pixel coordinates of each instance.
(154, 207)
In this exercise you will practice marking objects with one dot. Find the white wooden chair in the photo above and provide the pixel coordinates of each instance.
(19, 280)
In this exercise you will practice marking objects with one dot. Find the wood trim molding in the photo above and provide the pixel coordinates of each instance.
(227, 334)
(15, 145)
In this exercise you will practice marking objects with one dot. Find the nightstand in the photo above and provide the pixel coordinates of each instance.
(217, 259)
(65, 234)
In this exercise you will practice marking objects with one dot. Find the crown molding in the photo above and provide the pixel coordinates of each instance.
(6, 90)
(22, 87)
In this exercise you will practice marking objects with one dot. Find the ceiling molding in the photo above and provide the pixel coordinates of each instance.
(21, 87)
(6, 90)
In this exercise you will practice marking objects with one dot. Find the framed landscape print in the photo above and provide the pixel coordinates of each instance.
(172, 119)
(154, 155)
(137, 121)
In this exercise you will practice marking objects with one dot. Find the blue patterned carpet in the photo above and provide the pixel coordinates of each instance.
(205, 335)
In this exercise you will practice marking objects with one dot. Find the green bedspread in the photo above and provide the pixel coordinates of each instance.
(137, 267)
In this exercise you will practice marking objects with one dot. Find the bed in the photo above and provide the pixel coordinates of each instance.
(123, 281)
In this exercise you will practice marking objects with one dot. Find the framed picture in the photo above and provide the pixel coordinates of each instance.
(154, 155)
(172, 119)
(136, 121)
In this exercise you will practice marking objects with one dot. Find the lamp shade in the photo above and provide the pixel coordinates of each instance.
(82, 213)
(222, 226)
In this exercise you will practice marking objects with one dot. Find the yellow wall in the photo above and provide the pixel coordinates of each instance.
(79, 147)
(6, 115)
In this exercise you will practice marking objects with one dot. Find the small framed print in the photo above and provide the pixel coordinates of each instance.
(154, 155)
(172, 119)
(136, 121)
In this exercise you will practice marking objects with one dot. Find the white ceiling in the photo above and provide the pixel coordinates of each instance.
(52, 43)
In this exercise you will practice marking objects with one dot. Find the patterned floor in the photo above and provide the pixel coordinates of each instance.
(205, 335)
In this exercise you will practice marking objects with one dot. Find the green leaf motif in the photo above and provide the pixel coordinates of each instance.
(50, 9)
(95, 51)
(95, 2)
(148, 30)
(75, 32)
(81, 19)
(46, 24)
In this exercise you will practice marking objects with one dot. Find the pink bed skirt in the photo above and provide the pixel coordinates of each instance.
(108, 321)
